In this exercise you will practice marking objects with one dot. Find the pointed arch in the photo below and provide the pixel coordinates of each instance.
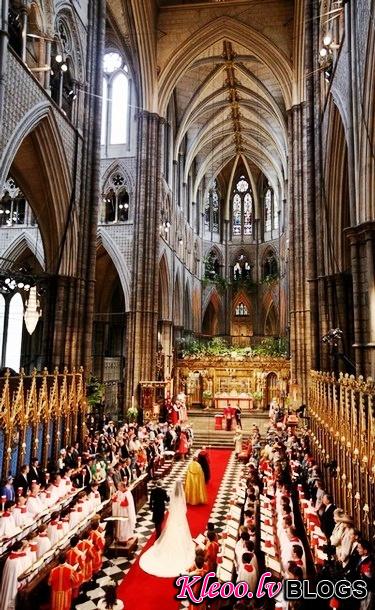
(187, 308)
(45, 180)
(271, 321)
(212, 316)
(212, 33)
(177, 301)
(164, 289)
(114, 168)
(104, 239)
(23, 242)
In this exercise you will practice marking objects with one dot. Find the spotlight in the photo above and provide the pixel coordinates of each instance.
(58, 58)
(64, 68)
(323, 52)
(20, 284)
(327, 39)
(126, 206)
(7, 280)
(168, 224)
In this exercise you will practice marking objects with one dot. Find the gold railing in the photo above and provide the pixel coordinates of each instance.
(342, 432)
(40, 413)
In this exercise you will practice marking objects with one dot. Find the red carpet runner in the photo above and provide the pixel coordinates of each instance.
(140, 591)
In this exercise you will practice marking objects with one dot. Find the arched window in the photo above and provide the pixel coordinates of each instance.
(62, 75)
(212, 210)
(115, 105)
(241, 309)
(13, 347)
(268, 210)
(115, 206)
(271, 210)
(211, 266)
(242, 209)
(270, 266)
(242, 269)
(14, 209)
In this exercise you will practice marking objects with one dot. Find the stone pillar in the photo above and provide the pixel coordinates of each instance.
(362, 244)
(142, 320)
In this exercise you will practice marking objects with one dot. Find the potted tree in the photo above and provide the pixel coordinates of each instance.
(207, 399)
(258, 397)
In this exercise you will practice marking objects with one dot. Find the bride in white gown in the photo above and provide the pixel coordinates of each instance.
(173, 553)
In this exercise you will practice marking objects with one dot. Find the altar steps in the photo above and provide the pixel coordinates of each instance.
(214, 438)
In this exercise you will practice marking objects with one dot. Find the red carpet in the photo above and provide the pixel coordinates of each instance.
(140, 591)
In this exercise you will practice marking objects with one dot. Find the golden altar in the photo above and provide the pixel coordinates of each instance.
(251, 381)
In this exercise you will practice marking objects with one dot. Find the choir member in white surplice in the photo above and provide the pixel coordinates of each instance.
(42, 541)
(17, 562)
(34, 503)
(123, 506)
(8, 526)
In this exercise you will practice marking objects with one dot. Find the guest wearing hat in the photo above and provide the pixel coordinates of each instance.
(342, 522)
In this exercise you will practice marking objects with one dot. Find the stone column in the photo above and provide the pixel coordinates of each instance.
(142, 321)
(362, 243)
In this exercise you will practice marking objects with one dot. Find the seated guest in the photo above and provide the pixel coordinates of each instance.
(246, 572)
(211, 551)
(62, 580)
(110, 601)
(42, 541)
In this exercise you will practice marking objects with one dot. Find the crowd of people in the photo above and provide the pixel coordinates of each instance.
(47, 510)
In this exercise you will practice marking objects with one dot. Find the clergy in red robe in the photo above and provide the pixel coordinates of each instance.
(76, 557)
(87, 547)
(211, 551)
(62, 579)
(98, 543)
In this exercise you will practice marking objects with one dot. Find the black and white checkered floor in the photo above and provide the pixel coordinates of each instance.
(116, 569)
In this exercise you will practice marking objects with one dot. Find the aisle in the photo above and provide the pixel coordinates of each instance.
(139, 590)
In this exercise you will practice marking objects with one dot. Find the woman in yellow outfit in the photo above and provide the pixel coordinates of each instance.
(195, 486)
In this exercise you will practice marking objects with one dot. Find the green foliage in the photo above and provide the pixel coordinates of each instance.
(257, 395)
(217, 280)
(132, 414)
(218, 347)
(270, 279)
(94, 391)
(243, 284)
(272, 346)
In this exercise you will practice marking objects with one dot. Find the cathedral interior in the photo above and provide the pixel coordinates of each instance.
(188, 206)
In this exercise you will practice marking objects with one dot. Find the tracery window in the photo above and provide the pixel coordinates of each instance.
(271, 210)
(115, 105)
(14, 209)
(242, 269)
(212, 266)
(115, 206)
(212, 210)
(241, 309)
(62, 75)
(242, 209)
(270, 266)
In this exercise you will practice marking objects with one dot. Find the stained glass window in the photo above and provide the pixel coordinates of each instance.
(241, 309)
(242, 209)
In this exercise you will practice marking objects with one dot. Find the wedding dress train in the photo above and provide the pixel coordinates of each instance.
(173, 553)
